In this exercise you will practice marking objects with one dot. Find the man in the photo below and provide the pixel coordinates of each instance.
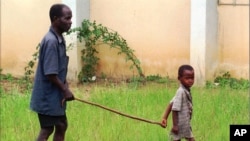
(51, 91)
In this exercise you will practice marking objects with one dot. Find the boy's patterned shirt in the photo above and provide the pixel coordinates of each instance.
(183, 105)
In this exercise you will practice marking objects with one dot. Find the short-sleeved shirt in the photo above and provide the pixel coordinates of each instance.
(172, 100)
(182, 103)
(47, 97)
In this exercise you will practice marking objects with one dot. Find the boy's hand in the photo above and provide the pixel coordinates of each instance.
(164, 123)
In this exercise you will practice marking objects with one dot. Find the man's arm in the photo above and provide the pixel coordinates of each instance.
(67, 94)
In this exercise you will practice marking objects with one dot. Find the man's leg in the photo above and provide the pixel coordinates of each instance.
(44, 134)
(60, 130)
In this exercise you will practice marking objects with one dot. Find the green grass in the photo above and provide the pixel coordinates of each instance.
(214, 111)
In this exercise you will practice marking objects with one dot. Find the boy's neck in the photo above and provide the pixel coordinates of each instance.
(187, 88)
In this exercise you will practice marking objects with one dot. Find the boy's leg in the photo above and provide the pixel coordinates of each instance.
(44, 134)
(60, 130)
(190, 139)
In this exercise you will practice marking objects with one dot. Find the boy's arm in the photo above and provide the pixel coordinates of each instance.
(166, 114)
(175, 122)
(168, 110)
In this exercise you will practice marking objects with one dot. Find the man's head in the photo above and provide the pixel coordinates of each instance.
(186, 75)
(60, 17)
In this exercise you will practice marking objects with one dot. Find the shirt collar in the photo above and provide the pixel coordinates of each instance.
(185, 88)
(60, 39)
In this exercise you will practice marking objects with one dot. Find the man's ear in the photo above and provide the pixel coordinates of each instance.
(55, 18)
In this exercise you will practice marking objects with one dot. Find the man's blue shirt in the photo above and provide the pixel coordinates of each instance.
(46, 97)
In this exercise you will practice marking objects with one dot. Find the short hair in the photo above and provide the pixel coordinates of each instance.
(184, 67)
(56, 11)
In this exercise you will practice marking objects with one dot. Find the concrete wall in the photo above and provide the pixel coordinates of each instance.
(233, 36)
(80, 10)
(204, 39)
(23, 24)
(159, 32)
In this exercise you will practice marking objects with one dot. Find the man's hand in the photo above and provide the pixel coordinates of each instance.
(68, 96)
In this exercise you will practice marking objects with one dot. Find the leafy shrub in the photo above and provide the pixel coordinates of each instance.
(93, 34)
(226, 80)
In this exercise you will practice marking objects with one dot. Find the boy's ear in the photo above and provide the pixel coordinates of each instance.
(178, 77)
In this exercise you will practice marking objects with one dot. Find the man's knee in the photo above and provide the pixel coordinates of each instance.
(62, 126)
(47, 131)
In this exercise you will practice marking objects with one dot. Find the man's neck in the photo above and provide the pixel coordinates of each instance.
(58, 32)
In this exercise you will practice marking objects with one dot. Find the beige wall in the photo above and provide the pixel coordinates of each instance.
(234, 40)
(23, 24)
(158, 31)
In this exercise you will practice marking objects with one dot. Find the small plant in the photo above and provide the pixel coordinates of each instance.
(8, 77)
(94, 34)
(153, 77)
(1, 75)
(163, 80)
(226, 80)
(29, 70)
(103, 76)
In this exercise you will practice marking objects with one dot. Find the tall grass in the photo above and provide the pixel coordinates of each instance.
(214, 110)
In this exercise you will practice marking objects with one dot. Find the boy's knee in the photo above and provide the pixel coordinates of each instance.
(191, 139)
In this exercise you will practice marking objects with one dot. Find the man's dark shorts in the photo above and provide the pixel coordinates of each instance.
(48, 121)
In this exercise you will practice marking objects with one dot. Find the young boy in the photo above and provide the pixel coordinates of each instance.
(51, 90)
(181, 106)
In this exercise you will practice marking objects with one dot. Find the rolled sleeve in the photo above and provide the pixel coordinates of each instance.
(177, 101)
(50, 65)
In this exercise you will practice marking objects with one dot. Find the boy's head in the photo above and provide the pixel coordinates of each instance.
(186, 75)
(60, 17)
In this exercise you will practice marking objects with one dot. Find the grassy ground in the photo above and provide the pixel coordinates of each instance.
(214, 110)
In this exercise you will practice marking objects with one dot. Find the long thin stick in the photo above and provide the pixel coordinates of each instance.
(117, 112)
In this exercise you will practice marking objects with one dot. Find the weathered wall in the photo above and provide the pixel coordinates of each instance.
(158, 31)
(234, 40)
(23, 24)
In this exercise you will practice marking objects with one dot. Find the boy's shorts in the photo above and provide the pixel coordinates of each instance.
(188, 134)
(48, 121)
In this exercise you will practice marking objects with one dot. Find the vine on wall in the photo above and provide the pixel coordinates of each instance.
(93, 34)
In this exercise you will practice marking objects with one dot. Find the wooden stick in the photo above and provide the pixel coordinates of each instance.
(117, 112)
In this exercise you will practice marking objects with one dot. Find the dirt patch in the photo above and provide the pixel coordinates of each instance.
(7, 86)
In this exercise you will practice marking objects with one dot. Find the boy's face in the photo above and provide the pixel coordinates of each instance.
(187, 78)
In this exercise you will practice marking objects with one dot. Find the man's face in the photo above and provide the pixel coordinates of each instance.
(64, 22)
(187, 78)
